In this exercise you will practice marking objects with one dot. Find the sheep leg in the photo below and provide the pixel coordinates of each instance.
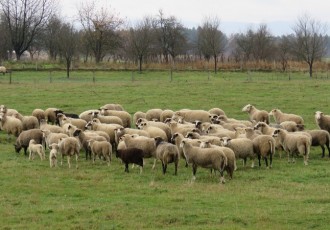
(305, 159)
(164, 166)
(323, 151)
(259, 160)
(194, 169)
(266, 162)
(176, 168)
(77, 156)
(154, 165)
(30, 154)
(270, 160)
(222, 178)
(68, 158)
(126, 167)
(141, 169)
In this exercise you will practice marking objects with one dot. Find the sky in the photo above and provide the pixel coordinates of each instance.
(236, 16)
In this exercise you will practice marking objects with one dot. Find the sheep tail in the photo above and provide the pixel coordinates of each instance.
(272, 147)
(225, 161)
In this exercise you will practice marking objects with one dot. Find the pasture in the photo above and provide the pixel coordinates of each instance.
(288, 196)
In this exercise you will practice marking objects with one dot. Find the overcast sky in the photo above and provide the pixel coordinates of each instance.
(235, 15)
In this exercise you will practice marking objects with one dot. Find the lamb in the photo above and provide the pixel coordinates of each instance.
(123, 115)
(36, 148)
(264, 146)
(167, 153)
(279, 117)
(167, 113)
(256, 114)
(101, 148)
(137, 115)
(154, 131)
(212, 158)
(193, 115)
(231, 159)
(3, 70)
(242, 147)
(294, 144)
(322, 120)
(53, 155)
(11, 125)
(153, 114)
(131, 155)
(69, 147)
(84, 138)
(24, 138)
(39, 114)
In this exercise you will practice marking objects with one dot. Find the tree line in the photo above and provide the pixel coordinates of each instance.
(33, 26)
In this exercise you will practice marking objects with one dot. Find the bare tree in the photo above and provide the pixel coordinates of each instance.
(284, 51)
(245, 44)
(170, 36)
(310, 40)
(140, 40)
(50, 36)
(211, 41)
(263, 46)
(100, 26)
(24, 20)
(68, 43)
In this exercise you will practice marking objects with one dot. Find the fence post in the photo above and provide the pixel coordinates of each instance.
(93, 76)
(10, 77)
(171, 75)
(50, 77)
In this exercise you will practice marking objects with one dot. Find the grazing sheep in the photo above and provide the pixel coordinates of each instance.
(290, 126)
(319, 138)
(108, 119)
(88, 115)
(279, 117)
(146, 144)
(117, 107)
(231, 159)
(217, 111)
(240, 123)
(39, 114)
(28, 122)
(101, 149)
(322, 121)
(11, 125)
(84, 138)
(50, 115)
(179, 128)
(9, 112)
(53, 155)
(167, 153)
(242, 147)
(69, 147)
(24, 138)
(123, 115)
(213, 130)
(167, 113)
(294, 144)
(264, 128)
(153, 114)
(63, 119)
(158, 124)
(3, 70)
(250, 133)
(256, 114)
(212, 139)
(137, 116)
(264, 146)
(131, 155)
(212, 158)
(193, 115)
(122, 131)
(51, 138)
(36, 148)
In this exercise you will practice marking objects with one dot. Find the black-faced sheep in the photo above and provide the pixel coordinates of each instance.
(264, 146)
(322, 120)
(53, 155)
(24, 138)
(101, 149)
(294, 144)
(212, 158)
(131, 155)
(242, 147)
(256, 114)
(69, 147)
(279, 117)
(167, 153)
(36, 148)
(11, 125)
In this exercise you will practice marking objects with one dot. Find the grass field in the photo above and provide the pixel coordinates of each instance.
(289, 196)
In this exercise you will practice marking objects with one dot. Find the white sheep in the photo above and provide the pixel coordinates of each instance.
(88, 115)
(123, 115)
(167, 153)
(212, 139)
(52, 128)
(113, 106)
(214, 130)
(239, 123)
(154, 131)
(51, 138)
(217, 111)
(28, 122)
(322, 120)
(212, 158)
(39, 114)
(294, 144)
(69, 147)
(33, 148)
(137, 115)
(78, 122)
(264, 146)
(11, 125)
(101, 149)
(3, 70)
(193, 115)
(242, 147)
(153, 114)
(279, 117)
(53, 155)
(167, 113)
(256, 114)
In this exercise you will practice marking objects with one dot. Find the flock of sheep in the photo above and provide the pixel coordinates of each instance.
(207, 139)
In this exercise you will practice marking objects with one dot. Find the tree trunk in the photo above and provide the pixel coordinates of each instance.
(215, 64)
(140, 64)
(68, 65)
(310, 69)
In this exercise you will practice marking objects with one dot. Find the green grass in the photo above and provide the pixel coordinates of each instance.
(289, 196)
